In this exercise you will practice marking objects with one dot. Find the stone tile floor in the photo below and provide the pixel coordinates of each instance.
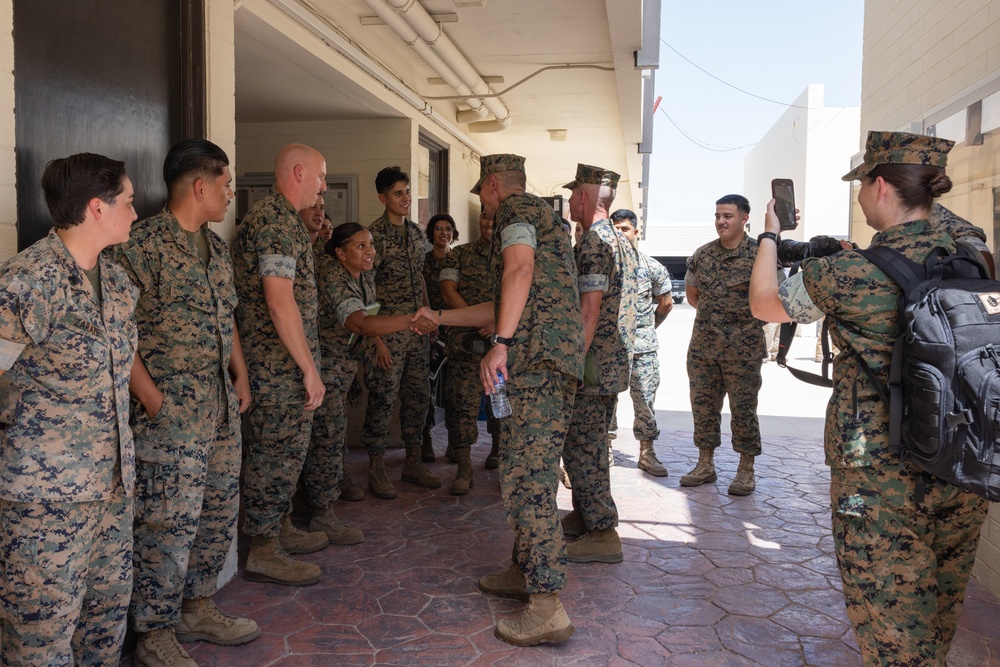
(708, 579)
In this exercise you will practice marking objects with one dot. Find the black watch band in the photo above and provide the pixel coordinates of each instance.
(500, 340)
(769, 235)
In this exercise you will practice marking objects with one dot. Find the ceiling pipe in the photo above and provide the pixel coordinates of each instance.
(429, 30)
(406, 32)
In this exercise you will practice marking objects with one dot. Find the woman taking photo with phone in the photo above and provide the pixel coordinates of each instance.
(905, 544)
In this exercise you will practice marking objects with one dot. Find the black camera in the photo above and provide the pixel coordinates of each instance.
(791, 252)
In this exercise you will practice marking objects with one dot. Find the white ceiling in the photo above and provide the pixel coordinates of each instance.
(280, 80)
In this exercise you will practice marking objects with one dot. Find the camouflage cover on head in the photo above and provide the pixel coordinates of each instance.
(587, 174)
(494, 164)
(901, 148)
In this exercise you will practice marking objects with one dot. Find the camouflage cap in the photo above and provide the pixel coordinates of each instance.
(589, 174)
(901, 148)
(493, 164)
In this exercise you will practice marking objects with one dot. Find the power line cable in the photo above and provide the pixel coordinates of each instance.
(745, 92)
(697, 142)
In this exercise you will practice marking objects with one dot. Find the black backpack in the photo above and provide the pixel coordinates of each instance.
(944, 382)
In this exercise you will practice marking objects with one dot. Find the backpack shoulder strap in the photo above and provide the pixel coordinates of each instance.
(902, 270)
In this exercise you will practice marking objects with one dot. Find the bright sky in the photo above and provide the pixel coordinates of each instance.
(772, 49)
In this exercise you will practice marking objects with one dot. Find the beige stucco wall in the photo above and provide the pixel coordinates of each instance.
(361, 148)
(920, 56)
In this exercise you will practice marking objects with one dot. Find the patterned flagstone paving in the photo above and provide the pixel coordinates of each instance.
(708, 579)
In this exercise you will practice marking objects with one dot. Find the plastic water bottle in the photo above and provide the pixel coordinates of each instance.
(498, 399)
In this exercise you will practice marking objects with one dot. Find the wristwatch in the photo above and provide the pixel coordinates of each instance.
(496, 339)
(769, 235)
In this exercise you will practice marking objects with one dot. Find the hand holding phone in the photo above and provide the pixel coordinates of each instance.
(784, 202)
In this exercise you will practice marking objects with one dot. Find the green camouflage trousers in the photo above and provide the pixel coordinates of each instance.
(324, 466)
(405, 380)
(276, 451)
(531, 440)
(585, 455)
(642, 386)
(186, 505)
(904, 563)
(463, 393)
(65, 581)
(710, 380)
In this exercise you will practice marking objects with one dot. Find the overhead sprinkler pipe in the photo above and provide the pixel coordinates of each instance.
(405, 31)
(429, 30)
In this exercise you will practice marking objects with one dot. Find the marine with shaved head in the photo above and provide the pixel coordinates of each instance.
(276, 284)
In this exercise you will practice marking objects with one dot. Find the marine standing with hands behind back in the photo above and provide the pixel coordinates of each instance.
(905, 546)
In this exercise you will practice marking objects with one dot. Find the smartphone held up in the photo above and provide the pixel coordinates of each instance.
(784, 202)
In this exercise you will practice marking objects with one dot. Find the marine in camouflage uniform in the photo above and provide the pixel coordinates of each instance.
(431, 271)
(905, 545)
(606, 263)
(339, 296)
(400, 285)
(653, 281)
(544, 363)
(726, 349)
(273, 242)
(67, 463)
(466, 271)
(188, 454)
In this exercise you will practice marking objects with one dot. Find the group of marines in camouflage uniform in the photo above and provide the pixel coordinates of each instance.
(156, 321)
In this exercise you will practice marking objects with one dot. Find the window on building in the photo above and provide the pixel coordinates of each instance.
(432, 181)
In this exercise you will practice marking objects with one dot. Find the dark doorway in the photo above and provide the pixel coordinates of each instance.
(116, 77)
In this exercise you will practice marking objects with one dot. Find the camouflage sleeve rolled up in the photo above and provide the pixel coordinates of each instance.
(595, 263)
(272, 242)
(550, 329)
(608, 263)
(659, 277)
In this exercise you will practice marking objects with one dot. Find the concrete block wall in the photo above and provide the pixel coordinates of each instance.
(920, 55)
(8, 170)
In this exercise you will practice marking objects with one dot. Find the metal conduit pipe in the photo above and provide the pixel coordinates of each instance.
(428, 29)
(406, 32)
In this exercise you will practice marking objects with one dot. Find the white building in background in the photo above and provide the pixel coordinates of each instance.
(812, 145)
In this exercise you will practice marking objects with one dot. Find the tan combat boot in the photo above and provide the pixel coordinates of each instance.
(427, 446)
(596, 546)
(295, 541)
(704, 471)
(463, 478)
(349, 490)
(506, 584)
(378, 481)
(325, 521)
(450, 455)
(743, 484)
(544, 620)
(160, 648)
(573, 524)
(648, 460)
(493, 458)
(267, 562)
(415, 472)
(202, 621)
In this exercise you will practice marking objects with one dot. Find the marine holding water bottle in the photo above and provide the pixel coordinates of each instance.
(538, 349)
